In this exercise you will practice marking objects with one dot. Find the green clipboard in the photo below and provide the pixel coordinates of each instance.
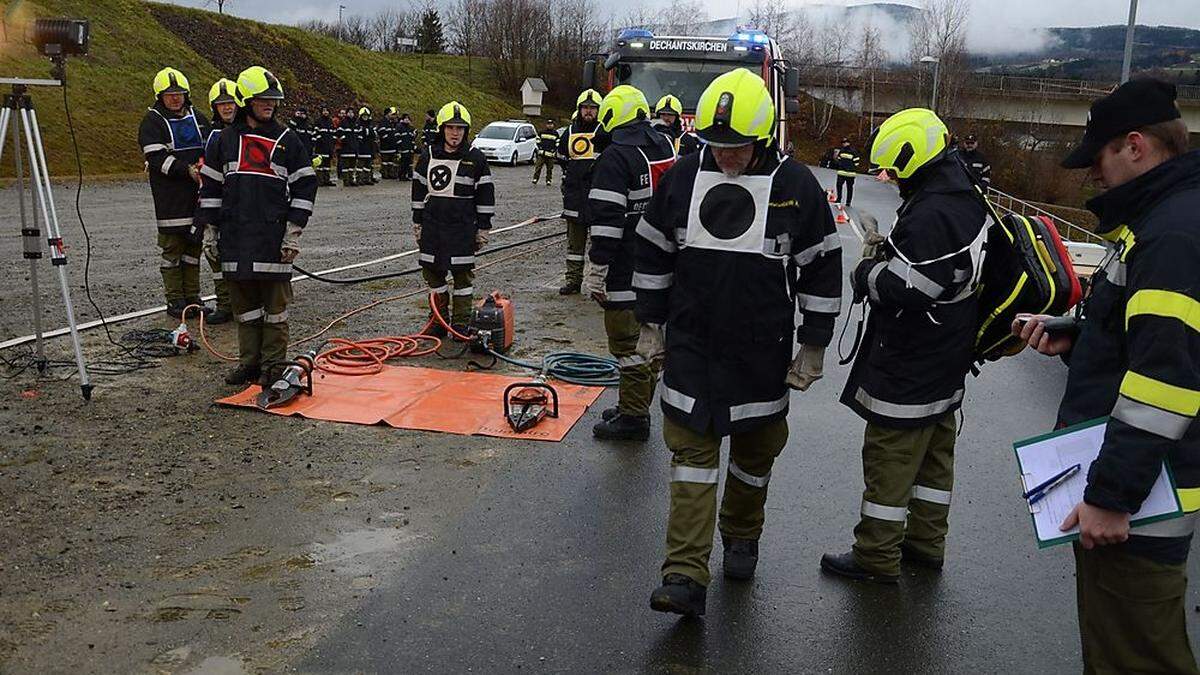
(1075, 430)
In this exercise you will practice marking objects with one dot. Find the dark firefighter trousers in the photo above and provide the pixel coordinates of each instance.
(1131, 613)
(463, 293)
(695, 470)
(577, 238)
(636, 388)
(908, 474)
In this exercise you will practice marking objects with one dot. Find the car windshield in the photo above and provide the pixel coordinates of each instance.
(685, 79)
(497, 133)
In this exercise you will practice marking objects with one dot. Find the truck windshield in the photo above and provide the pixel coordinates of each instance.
(496, 132)
(685, 79)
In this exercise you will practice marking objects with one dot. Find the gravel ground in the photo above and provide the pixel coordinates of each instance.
(151, 531)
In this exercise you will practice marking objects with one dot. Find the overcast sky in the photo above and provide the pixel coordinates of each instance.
(1009, 13)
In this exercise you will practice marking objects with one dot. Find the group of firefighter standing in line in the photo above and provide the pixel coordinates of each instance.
(701, 255)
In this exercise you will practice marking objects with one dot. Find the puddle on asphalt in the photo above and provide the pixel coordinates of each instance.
(346, 552)
(219, 665)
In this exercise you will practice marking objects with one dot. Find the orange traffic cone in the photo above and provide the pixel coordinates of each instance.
(841, 218)
(829, 194)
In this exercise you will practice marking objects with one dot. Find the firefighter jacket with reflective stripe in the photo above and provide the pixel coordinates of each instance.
(673, 132)
(688, 143)
(306, 132)
(368, 139)
(452, 198)
(725, 263)
(917, 348)
(406, 138)
(623, 182)
(1137, 357)
(347, 135)
(978, 164)
(389, 139)
(429, 134)
(577, 153)
(171, 142)
(324, 136)
(846, 162)
(547, 143)
(256, 181)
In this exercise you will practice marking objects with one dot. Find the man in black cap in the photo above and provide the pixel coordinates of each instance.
(1135, 357)
(975, 161)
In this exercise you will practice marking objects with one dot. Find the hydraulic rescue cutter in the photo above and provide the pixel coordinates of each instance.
(527, 403)
(294, 377)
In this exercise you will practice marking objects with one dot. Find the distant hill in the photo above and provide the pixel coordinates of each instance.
(1096, 53)
(131, 40)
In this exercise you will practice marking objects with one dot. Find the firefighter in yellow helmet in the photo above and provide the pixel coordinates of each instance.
(257, 196)
(547, 152)
(577, 154)
(453, 201)
(222, 100)
(633, 157)
(172, 136)
(908, 377)
(722, 378)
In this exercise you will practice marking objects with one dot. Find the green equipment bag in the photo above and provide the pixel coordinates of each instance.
(1026, 270)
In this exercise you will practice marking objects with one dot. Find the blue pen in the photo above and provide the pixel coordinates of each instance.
(1043, 489)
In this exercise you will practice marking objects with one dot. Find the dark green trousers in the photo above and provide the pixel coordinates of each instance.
(1131, 613)
(463, 294)
(180, 267)
(908, 474)
(695, 462)
(636, 389)
(577, 236)
(260, 309)
(222, 291)
(540, 160)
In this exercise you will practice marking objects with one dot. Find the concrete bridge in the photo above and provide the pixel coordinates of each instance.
(989, 97)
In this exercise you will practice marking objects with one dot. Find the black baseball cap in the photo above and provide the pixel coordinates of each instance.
(1134, 104)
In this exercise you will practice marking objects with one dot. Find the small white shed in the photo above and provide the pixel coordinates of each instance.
(531, 95)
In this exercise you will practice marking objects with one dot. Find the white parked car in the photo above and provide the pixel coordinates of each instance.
(510, 142)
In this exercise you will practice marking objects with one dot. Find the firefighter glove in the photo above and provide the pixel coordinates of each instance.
(291, 243)
(807, 367)
(650, 345)
(594, 279)
(858, 280)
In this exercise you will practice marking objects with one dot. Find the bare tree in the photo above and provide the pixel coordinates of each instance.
(219, 4)
(940, 31)
(869, 58)
(789, 27)
(465, 19)
(682, 17)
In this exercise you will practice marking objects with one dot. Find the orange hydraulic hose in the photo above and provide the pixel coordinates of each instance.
(367, 356)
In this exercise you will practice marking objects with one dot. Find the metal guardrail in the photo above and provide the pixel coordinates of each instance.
(1016, 84)
(1069, 231)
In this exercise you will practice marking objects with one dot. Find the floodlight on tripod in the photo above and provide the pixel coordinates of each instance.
(56, 38)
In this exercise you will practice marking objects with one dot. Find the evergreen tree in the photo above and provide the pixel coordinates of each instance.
(430, 38)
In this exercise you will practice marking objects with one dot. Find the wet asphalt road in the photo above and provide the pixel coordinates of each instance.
(551, 568)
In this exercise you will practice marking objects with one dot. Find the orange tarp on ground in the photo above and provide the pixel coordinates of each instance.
(426, 399)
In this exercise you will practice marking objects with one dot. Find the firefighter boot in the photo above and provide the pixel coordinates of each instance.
(741, 557)
(243, 374)
(623, 427)
(609, 413)
(844, 565)
(679, 594)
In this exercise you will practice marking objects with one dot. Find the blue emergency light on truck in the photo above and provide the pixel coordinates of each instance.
(684, 65)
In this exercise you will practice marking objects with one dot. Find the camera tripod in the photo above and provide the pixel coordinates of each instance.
(19, 116)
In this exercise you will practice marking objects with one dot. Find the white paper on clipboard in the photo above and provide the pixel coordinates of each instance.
(1041, 458)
